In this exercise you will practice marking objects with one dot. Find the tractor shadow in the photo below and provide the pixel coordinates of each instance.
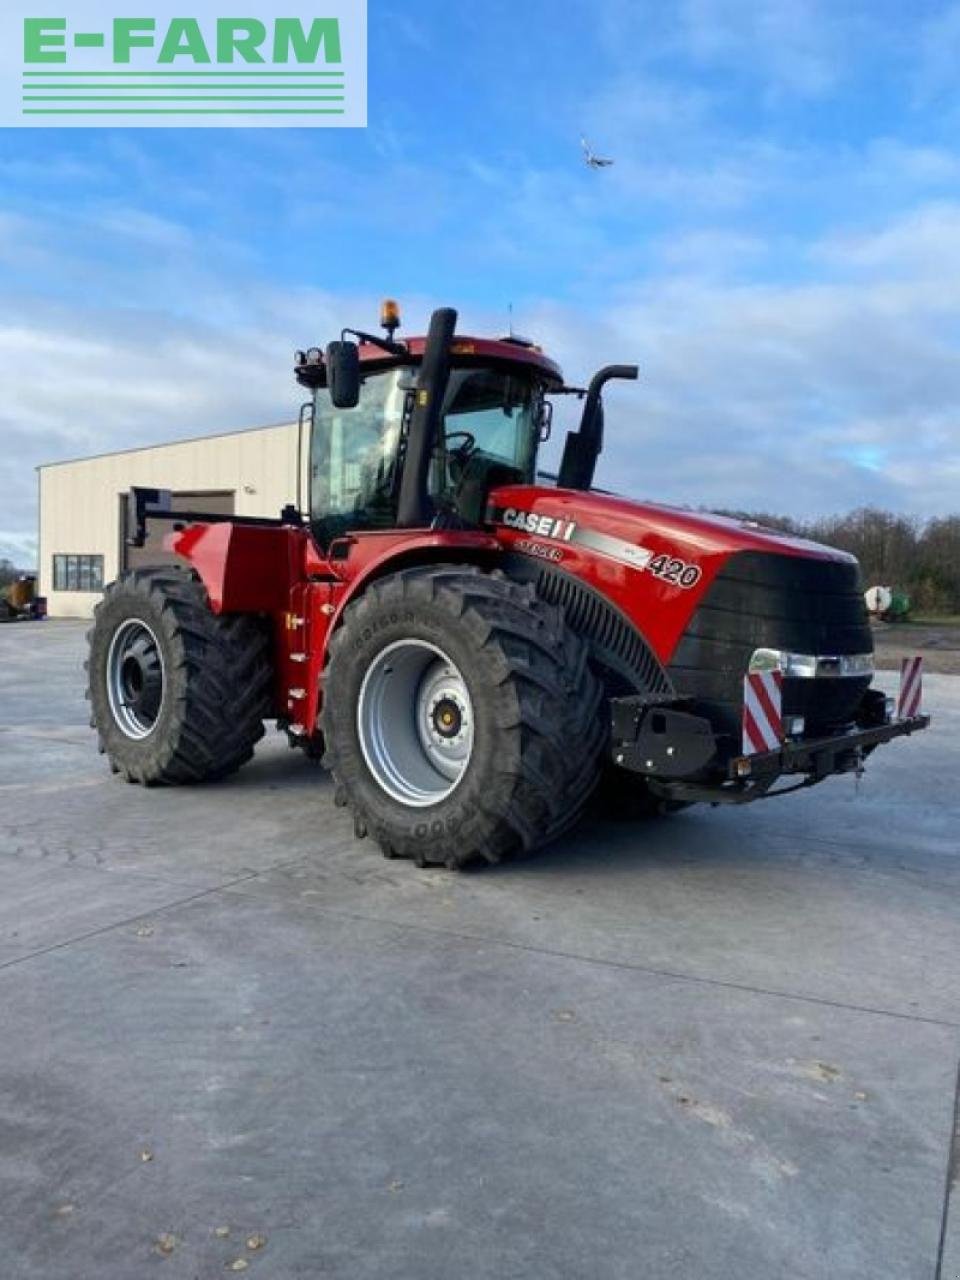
(601, 845)
(276, 766)
(604, 846)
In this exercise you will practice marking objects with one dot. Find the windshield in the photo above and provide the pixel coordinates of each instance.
(495, 409)
(487, 436)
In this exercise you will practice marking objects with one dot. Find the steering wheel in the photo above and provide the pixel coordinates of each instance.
(458, 458)
(462, 451)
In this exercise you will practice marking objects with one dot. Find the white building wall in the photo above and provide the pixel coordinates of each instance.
(80, 501)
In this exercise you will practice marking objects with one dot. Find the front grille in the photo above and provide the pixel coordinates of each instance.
(766, 601)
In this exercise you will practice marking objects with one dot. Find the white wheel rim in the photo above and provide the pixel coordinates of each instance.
(135, 679)
(415, 722)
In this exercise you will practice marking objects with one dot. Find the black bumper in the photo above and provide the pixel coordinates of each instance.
(838, 753)
(681, 757)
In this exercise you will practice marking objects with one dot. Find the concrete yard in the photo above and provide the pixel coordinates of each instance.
(722, 1045)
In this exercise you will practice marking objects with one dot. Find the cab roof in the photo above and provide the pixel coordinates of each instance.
(465, 349)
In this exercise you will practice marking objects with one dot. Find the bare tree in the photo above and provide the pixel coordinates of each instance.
(922, 559)
(8, 573)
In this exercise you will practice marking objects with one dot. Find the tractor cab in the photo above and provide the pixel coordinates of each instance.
(381, 409)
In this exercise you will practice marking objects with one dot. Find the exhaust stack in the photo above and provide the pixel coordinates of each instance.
(414, 509)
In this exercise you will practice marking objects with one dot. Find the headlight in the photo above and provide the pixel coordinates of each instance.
(797, 665)
(800, 666)
(811, 666)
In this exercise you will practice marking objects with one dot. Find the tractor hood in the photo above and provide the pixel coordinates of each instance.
(638, 522)
(654, 563)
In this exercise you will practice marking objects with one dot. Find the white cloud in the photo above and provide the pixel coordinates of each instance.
(888, 161)
(924, 243)
(710, 252)
(804, 397)
(793, 43)
(797, 48)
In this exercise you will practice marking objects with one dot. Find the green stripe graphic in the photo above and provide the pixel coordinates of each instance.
(183, 73)
(114, 90)
(182, 97)
(88, 88)
(244, 91)
(182, 111)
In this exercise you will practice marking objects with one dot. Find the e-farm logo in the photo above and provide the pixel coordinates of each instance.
(100, 65)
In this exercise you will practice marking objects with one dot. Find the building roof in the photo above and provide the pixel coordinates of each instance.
(166, 444)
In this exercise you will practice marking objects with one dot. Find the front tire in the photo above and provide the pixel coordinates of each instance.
(177, 693)
(461, 717)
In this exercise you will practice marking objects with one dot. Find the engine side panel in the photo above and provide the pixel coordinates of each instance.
(653, 563)
(703, 591)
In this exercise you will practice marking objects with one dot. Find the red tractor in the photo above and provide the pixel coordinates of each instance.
(472, 648)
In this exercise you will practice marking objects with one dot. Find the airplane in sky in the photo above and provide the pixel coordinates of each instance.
(591, 160)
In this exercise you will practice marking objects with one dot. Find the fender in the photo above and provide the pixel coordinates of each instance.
(360, 559)
(363, 557)
(279, 570)
(245, 568)
(259, 569)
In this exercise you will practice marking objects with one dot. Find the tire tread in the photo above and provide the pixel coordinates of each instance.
(223, 683)
(548, 713)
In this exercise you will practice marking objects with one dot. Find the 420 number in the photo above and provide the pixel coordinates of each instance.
(679, 572)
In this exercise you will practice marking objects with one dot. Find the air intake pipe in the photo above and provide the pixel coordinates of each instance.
(584, 447)
(414, 508)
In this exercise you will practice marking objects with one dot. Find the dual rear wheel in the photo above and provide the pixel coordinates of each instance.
(177, 693)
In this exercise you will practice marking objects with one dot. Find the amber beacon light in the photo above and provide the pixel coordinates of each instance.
(390, 315)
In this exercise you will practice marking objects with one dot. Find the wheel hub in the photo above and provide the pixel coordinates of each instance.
(135, 678)
(415, 722)
(447, 718)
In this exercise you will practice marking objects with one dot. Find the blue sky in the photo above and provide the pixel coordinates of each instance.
(778, 244)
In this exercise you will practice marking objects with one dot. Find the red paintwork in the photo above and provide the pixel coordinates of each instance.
(274, 570)
(659, 610)
(373, 553)
(262, 569)
(245, 568)
(465, 348)
(279, 571)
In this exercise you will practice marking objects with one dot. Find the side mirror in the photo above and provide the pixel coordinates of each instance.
(343, 374)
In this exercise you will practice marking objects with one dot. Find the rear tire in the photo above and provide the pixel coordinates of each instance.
(177, 693)
(520, 679)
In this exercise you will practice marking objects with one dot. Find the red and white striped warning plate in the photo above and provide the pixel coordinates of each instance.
(762, 711)
(911, 688)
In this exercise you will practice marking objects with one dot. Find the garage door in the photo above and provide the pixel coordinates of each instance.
(216, 501)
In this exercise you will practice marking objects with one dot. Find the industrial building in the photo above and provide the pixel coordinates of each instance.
(82, 542)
